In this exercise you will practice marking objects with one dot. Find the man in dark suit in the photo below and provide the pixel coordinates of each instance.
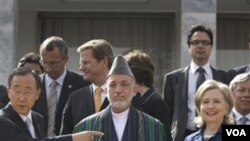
(96, 57)
(180, 85)
(238, 70)
(54, 56)
(23, 91)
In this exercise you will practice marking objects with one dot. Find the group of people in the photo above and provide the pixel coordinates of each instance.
(198, 95)
(114, 97)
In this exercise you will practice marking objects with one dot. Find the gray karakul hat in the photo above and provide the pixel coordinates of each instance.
(120, 67)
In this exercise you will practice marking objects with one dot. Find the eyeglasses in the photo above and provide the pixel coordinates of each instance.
(52, 63)
(198, 42)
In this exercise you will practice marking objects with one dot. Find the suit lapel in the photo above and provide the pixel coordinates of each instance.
(90, 96)
(43, 99)
(17, 120)
(104, 104)
(38, 129)
(184, 83)
(66, 89)
(218, 75)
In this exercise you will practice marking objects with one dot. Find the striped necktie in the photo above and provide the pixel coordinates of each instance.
(51, 103)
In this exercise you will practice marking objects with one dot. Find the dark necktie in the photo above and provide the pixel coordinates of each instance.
(201, 77)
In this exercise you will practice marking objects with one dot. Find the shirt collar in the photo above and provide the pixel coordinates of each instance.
(194, 67)
(122, 115)
(104, 86)
(59, 80)
(25, 117)
(238, 115)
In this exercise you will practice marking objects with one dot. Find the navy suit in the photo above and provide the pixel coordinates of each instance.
(176, 95)
(12, 127)
(79, 105)
(72, 82)
(235, 71)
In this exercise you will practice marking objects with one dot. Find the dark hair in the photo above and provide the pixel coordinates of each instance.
(100, 49)
(141, 66)
(53, 42)
(22, 71)
(30, 57)
(200, 28)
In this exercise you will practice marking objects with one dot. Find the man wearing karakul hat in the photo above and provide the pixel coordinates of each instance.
(120, 121)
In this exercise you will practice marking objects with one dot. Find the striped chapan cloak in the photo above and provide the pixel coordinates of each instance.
(139, 126)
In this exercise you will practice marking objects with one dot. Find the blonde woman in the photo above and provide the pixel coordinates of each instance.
(213, 103)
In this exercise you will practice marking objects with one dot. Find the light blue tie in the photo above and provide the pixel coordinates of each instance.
(30, 126)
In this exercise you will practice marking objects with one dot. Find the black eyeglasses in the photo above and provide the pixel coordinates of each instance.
(52, 63)
(202, 42)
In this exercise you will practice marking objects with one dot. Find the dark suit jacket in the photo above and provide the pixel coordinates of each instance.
(175, 95)
(235, 71)
(72, 82)
(153, 104)
(3, 96)
(12, 127)
(79, 105)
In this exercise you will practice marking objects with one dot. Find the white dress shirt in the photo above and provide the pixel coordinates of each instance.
(120, 120)
(192, 78)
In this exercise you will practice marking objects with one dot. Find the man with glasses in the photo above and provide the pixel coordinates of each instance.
(180, 85)
(240, 69)
(240, 87)
(57, 83)
(18, 122)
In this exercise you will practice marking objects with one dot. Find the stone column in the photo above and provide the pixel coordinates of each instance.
(8, 16)
(196, 12)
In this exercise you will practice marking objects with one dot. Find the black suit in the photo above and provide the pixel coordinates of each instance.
(79, 105)
(152, 103)
(13, 128)
(235, 71)
(72, 82)
(3, 96)
(176, 95)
